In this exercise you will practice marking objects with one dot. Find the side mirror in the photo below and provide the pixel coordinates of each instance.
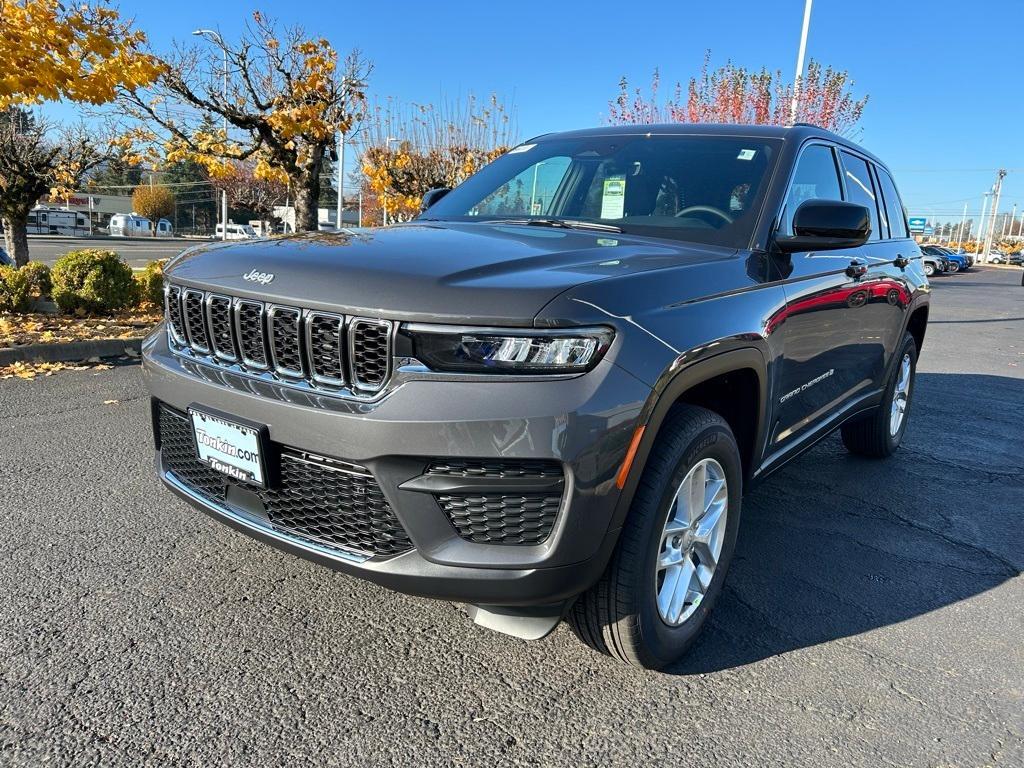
(825, 225)
(432, 196)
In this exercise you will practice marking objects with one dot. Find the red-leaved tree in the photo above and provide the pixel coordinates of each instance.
(732, 94)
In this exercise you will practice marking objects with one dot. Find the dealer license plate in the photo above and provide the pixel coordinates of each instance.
(234, 449)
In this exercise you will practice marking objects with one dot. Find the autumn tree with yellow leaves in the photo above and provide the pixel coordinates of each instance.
(154, 201)
(49, 51)
(408, 150)
(283, 95)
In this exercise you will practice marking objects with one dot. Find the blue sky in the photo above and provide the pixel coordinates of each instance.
(945, 79)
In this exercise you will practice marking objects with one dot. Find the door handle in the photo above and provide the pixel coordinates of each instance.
(857, 269)
(901, 261)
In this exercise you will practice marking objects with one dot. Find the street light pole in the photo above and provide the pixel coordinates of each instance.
(960, 233)
(214, 35)
(981, 224)
(800, 61)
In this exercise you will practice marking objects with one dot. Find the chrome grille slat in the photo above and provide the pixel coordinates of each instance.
(221, 325)
(302, 347)
(369, 352)
(193, 304)
(175, 325)
(325, 341)
(286, 341)
(250, 330)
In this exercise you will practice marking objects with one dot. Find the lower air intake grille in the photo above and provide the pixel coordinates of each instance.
(332, 503)
(490, 518)
(499, 468)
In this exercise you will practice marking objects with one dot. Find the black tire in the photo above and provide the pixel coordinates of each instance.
(619, 616)
(871, 435)
(953, 267)
(929, 269)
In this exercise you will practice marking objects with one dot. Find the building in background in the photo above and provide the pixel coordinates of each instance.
(97, 208)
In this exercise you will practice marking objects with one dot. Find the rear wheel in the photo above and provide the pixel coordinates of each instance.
(675, 548)
(954, 267)
(879, 434)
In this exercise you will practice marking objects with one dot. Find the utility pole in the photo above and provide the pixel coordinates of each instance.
(1009, 222)
(997, 191)
(800, 62)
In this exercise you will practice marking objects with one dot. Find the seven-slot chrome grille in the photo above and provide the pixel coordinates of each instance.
(294, 345)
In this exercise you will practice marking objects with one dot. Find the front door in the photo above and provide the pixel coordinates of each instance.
(832, 335)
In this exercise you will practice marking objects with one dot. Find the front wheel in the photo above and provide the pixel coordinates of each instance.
(675, 548)
(929, 269)
(879, 434)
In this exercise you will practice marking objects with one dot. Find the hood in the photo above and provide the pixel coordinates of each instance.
(437, 272)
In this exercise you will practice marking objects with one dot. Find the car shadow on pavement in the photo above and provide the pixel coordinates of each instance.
(835, 545)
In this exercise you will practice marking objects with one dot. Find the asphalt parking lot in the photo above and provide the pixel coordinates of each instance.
(874, 614)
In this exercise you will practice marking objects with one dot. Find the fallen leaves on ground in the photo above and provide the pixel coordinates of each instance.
(32, 370)
(17, 330)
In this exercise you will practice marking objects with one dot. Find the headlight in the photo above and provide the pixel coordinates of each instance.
(495, 350)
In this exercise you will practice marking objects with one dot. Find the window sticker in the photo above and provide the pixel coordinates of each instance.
(521, 148)
(613, 199)
(746, 154)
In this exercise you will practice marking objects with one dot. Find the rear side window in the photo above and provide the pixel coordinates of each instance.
(816, 178)
(860, 190)
(893, 207)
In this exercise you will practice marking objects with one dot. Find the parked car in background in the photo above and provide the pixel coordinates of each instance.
(6, 260)
(998, 257)
(934, 264)
(955, 260)
(164, 228)
(549, 405)
(130, 225)
(237, 232)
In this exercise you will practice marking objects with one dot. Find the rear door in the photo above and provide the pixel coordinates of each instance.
(892, 287)
(832, 346)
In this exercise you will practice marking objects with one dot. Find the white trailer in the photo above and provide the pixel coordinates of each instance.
(55, 221)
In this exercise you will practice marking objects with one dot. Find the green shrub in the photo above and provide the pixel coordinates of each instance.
(151, 283)
(93, 281)
(38, 276)
(14, 290)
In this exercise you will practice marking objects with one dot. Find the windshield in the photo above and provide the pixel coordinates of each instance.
(706, 189)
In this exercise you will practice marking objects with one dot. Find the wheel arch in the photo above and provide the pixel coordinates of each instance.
(733, 384)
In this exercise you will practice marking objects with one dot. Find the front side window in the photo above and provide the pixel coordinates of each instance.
(815, 178)
(860, 190)
(706, 189)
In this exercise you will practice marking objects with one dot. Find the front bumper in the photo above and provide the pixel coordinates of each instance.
(583, 423)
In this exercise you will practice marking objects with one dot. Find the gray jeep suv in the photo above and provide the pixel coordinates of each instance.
(546, 397)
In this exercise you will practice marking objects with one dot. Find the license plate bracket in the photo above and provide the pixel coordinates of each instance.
(235, 447)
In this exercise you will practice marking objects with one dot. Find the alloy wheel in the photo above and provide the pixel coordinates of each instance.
(900, 397)
(691, 542)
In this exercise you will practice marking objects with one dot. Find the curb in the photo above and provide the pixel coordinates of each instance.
(71, 351)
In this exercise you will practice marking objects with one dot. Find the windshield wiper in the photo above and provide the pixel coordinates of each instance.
(561, 224)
